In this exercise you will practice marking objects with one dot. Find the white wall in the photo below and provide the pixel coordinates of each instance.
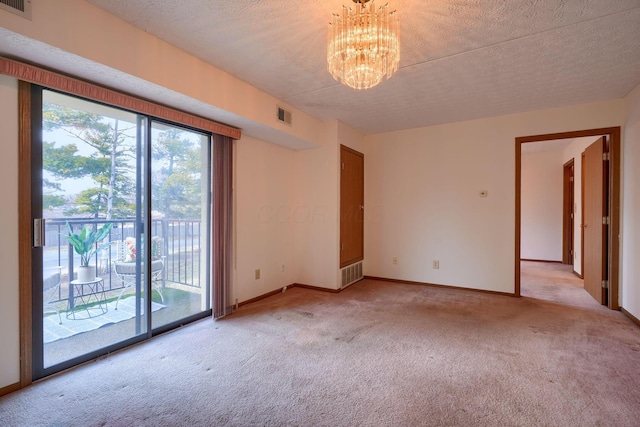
(574, 151)
(264, 234)
(631, 206)
(314, 212)
(541, 206)
(423, 203)
(9, 290)
(350, 137)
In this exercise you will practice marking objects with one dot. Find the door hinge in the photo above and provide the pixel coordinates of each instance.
(38, 232)
(605, 220)
(605, 284)
(342, 165)
(570, 179)
(605, 156)
(341, 246)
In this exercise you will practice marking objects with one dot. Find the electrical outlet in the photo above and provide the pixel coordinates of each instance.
(436, 264)
(257, 274)
(394, 260)
(282, 267)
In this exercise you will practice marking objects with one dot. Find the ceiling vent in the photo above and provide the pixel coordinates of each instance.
(19, 7)
(284, 116)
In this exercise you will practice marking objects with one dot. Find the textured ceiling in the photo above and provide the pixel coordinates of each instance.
(461, 59)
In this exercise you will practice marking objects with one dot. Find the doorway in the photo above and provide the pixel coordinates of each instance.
(611, 205)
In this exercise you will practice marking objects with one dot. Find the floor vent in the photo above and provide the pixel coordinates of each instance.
(19, 7)
(351, 274)
(284, 116)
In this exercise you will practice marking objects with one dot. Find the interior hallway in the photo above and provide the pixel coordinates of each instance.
(554, 282)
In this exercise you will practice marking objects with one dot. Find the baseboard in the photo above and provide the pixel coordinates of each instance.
(260, 297)
(383, 279)
(293, 285)
(316, 288)
(9, 389)
(540, 260)
(577, 274)
(408, 282)
(633, 318)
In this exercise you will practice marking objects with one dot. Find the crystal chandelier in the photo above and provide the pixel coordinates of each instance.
(363, 45)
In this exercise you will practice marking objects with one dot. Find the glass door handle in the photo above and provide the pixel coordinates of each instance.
(38, 232)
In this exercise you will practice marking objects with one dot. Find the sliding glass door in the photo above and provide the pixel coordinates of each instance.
(122, 207)
(180, 220)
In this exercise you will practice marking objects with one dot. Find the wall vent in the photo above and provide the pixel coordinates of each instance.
(18, 7)
(351, 274)
(284, 116)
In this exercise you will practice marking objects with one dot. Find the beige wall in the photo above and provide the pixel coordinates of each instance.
(541, 206)
(9, 291)
(314, 212)
(631, 206)
(423, 203)
(264, 235)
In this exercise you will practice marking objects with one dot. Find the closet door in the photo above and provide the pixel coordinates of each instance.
(351, 206)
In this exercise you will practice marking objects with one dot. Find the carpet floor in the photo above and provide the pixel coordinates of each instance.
(376, 354)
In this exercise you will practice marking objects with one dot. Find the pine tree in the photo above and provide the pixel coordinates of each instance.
(105, 163)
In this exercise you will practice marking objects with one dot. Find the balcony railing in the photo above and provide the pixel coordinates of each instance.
(182, 240)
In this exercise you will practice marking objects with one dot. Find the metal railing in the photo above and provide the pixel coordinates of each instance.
(182, 240)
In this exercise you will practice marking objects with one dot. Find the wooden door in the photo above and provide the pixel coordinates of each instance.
(351, 206)
(594, 202)
(568, 214)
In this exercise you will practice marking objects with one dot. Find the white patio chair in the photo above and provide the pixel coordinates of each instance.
(125, 264)
(51, 279)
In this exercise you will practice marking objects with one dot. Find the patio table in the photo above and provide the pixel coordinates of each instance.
(87, 299)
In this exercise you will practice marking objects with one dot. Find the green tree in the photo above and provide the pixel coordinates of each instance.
(106, 164)
(176, 183)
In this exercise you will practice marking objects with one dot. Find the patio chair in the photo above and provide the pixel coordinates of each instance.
(125, 264)
(51, 280)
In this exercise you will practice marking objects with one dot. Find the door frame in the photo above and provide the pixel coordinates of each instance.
(613, 231)
(582, 179)
(29, 104)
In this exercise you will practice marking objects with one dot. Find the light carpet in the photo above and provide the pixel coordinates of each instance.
(54, 331)
(376, 354)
